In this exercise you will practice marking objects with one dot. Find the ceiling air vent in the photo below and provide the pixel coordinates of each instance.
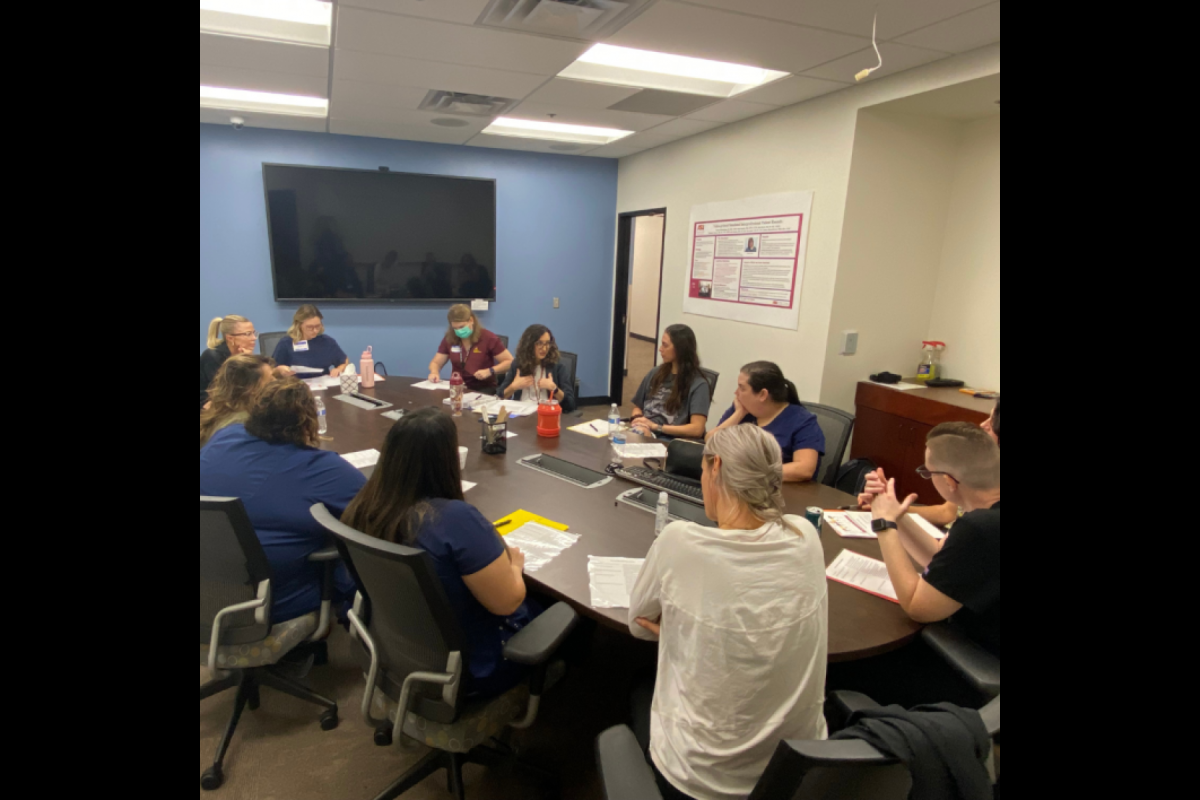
(569, 19)
(466, 105)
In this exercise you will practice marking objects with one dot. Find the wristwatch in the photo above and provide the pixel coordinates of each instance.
(884, 525)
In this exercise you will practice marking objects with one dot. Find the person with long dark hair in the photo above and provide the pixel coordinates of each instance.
(675, 399)
(415, 499)
(538, 374)
(765, 398)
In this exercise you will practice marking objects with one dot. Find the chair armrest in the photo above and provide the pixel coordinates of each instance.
(322, 556)
(328, 557)
(980, 668)
(537, 643)
(842, 705)
(623, 768)
(840, 752)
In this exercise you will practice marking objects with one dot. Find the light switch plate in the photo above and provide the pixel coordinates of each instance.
(850, 343)
(556, 302)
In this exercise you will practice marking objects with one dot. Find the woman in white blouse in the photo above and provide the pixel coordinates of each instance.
(742, 613)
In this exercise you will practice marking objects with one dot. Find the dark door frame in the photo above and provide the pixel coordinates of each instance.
(625, 224)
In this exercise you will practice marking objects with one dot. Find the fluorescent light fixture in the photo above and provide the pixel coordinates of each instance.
(264, 102)
(623, 66)
(554, 131)
(297, 21)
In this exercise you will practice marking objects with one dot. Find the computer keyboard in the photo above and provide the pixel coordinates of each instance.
(664, 482)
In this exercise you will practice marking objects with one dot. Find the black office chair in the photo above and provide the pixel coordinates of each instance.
(268, 342)
(978, 667)
(838, 427)
(571, 361)
(238, 643)
(415, 655)
(829, 770)
(713, 378)
(503, 341)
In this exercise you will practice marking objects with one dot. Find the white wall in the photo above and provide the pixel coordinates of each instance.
(895, 231)
(966, 310)
(647, 274)
(805, 147)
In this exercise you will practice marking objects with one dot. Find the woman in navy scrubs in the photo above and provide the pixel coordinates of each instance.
(307, 345)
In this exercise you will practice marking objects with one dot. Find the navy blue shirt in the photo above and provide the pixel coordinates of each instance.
(461, 543)
(796, 428)
(323, 353)
(278, 484)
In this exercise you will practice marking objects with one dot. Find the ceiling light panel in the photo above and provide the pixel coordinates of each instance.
(554, 131)
(624, 66)
(297, 21)
(241, 100)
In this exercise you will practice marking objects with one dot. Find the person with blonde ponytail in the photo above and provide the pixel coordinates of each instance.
(227, 337)
(741, 614)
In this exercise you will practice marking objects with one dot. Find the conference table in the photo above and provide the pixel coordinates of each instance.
(860, 625)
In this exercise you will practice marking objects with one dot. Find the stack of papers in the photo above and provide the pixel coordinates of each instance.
(862, 573)
(306, 371)
(540, 544)
(645, 451)
(857, 525)
(432, 387)
(363, 460)
(613, 580)
(514, 408)
(906, 387)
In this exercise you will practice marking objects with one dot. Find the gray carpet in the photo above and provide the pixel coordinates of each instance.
(280, 752)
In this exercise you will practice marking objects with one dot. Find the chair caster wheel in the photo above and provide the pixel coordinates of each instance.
(383, 736)
(212, 779)
(329, 722)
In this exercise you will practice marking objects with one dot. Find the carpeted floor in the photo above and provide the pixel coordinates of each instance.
(641, 361)
(280, 752)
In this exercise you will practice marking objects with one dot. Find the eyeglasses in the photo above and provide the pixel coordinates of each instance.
(927, 474)
(543, 345)
(251, 334)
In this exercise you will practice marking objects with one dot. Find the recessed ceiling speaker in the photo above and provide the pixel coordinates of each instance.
(450, 122)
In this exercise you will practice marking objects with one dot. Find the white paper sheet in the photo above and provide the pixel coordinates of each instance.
(305, 370)
(540, 544)
(432, 387)
(863, 573)
(857, 525)
(613, 580)
(514, 408)
(644, 451)
(363, 460)
(906, 387)
(468, 486)
(596, 430)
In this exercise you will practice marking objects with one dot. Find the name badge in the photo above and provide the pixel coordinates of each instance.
(301, 347)
(456, 350)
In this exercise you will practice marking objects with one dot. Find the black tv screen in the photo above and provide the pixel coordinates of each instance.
(339, 234)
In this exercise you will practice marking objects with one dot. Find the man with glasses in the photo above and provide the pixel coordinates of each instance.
(962, 579)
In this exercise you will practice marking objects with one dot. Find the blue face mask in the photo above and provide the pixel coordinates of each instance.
(463, 333)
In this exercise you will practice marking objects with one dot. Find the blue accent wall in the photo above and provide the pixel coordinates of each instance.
(556, 234)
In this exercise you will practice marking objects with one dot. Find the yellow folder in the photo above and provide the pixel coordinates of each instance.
(519, 518)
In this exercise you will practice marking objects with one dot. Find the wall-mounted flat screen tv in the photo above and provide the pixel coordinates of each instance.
(374, 236)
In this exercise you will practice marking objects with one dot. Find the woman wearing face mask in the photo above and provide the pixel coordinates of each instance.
(674, 399)
(473, 352)
(767, 399)
(539, 373)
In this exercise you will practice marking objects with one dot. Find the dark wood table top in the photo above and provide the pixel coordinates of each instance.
(928, 406)
(861, 625)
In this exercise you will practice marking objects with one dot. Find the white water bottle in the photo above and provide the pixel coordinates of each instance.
(663, 518)
(614, 423)
(322, 420)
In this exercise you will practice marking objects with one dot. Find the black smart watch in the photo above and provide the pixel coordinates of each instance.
(884, 525)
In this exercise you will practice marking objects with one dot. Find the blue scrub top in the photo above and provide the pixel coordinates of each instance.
(323, 353)
(278, 484)
(796, 428)
(462, 543)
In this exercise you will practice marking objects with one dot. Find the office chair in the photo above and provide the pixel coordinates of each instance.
(503, 341)
(829, 770)
(971, 661)
(238, 643)
(837, 426)
(571, 360)
(268, 342)
(415, 655)
(713, 378)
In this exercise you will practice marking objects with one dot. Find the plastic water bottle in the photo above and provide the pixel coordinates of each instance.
(663, 517)
(619, 440)
(614, 423)
(322, 419)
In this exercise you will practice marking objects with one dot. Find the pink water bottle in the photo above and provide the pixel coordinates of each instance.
(367, 369)
(457, 390)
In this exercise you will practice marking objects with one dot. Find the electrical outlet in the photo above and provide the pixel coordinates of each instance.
(556, 302)
(850, 343)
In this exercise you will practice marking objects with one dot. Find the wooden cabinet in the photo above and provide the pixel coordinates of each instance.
(892, 428)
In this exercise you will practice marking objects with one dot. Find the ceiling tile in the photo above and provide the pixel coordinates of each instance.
(680, 128)
(278, 122)
(670, 104)
(672, 27)
(968, 32)
(263, 81)
(597, 118)
(462, 11)
(386, 101)
(896, 58)
(397, 130)
(387, 70)
(896, 17)
(258, 54)
(790, 91)
(648, 139)
(529, 145)
(731, 111)
(408, 37)
(578, 94)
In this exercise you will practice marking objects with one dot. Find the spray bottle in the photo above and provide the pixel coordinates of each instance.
(931, 366)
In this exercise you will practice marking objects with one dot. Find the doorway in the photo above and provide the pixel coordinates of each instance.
(636, 325)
